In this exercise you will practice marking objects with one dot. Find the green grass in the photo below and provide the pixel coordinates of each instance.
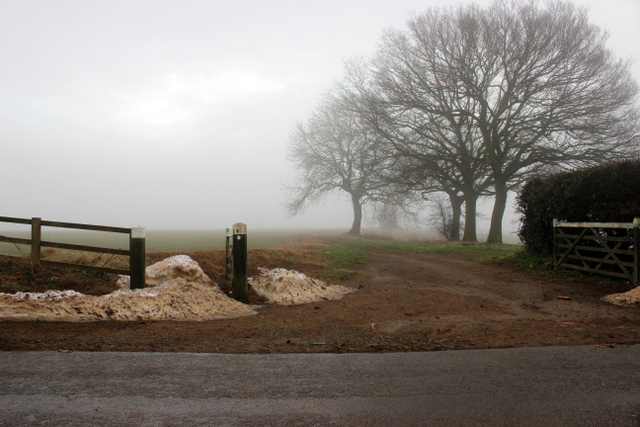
(340, 259)
(481, 251)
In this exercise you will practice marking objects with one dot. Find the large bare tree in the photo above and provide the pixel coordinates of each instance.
(517, 86)
(337, 151)
(437, 149)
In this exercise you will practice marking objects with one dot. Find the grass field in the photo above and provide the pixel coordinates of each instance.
(156, 240)
(342, 257)
(483, 250)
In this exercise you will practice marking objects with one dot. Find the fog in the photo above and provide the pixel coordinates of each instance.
(176, 115)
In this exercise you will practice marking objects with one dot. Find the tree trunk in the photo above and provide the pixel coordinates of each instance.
(357, 216)
(456, 213)
(499, 206)
(470, 219)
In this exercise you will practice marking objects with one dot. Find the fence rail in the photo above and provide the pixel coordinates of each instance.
(136, 251)
(606, 248)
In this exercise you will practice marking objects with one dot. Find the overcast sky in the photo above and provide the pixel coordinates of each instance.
(176, 114)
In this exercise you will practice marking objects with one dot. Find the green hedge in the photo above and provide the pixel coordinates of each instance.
(607, 193)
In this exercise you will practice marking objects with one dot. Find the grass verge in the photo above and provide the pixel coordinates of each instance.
(480, 251)
(340, 259)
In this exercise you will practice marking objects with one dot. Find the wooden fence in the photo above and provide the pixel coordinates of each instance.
(605, 248)
(136, 251)
(236, 261)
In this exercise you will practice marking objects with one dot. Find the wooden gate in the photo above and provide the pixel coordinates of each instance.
(598, 247)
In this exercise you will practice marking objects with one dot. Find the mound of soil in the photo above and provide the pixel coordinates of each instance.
(288, 287)
(631, 297)
(177, 289)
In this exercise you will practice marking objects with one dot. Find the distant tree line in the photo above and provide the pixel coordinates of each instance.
(467, 102)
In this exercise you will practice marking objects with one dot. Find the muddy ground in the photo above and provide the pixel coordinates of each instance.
(403, 302)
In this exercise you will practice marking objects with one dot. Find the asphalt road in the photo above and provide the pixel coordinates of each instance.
(567, 386)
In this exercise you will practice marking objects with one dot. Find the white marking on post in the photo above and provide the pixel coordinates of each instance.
(137, 233)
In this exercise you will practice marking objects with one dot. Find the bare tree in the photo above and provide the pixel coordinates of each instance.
(441, 148)
(505, 92)
(387, 216)
(432, 153)
(443, 218)
(336, 151)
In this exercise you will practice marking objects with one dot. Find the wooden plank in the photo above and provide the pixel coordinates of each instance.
(599, 260)
(15, 220)
(590, 270)
(15, 240)
(609, 238)
(573, 244)
(85, 248)
(597, 249)
(86, 226)
(86, 267)
(627, 238)
(602, 250)
(596, 224)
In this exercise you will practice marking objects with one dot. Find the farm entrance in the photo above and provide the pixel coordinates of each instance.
(603, 248)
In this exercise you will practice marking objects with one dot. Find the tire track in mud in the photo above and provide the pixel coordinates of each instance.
(485, 293)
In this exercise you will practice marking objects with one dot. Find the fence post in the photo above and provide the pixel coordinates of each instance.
(555, 237)
(137, 257)
(239, 252)
(228, 245)
(636, 252)
(36, 237)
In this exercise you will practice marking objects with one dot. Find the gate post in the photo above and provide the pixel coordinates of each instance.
(137, 257)
(228, 245)
(636, 252)
(555, 247)
(36, 237)
(239, 253)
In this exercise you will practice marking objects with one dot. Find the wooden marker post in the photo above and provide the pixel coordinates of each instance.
(239, 253)
(137, 257)
(555, 244)
(36, 237)
(228, 246)
(636, 252)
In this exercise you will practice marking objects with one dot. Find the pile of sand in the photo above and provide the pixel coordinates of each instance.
(175, 267)
(177, 289)
(280, 286)
(631, 297)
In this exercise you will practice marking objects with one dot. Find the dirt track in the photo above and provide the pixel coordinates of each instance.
(404, 302)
